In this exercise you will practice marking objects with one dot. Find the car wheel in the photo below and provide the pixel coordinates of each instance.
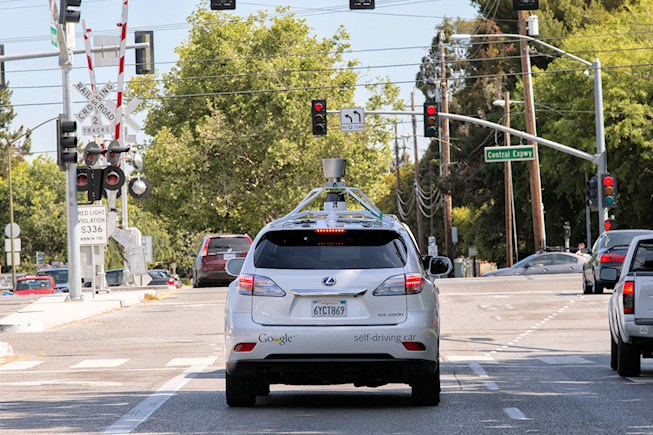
(426, 389)
(628, 359)
(262, 388)
(598, 289)
(587, 289)
(241, 391)
(614, 361)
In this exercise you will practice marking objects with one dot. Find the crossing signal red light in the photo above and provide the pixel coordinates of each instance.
(430, 119)
(319, 117)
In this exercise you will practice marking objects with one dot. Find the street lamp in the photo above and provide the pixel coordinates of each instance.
(598, 103)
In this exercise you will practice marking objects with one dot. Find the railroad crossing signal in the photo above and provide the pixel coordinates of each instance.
(430, 119)
(319, 116)
(66, 142)
(609, 187)
(95, 180)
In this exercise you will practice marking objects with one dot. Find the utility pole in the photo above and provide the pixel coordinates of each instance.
(420, 232)
(446, 160)
(507, 169)
(536, 188)
(397, 165)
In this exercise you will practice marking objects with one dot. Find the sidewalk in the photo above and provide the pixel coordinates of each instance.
(51, 311)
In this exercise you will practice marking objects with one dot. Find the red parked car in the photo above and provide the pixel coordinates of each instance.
(208, 267)
(35, 285)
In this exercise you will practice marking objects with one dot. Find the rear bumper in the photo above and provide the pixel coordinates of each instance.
(213, 276)
(370, 370)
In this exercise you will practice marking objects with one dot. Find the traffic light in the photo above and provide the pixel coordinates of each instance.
(361, 4)
(430, 119)
(218, 5)
(144, 56)
(609, 189)
(68, 15)
(525, 5)
(92, 152)
(593, 193)
(610, 224)
(66, 142)
(3, 84)
(319, 116)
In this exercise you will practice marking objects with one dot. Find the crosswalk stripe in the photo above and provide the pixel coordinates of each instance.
(176, 362)
(99, 363)
(20, 365)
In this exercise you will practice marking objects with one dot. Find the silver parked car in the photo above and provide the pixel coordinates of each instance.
(543, 263)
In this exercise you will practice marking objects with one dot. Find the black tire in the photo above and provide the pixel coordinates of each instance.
(587, 289)
(262, 388)
(426, 389)
(240, 391)
(614, 360)
(598, 289)
(628, 359)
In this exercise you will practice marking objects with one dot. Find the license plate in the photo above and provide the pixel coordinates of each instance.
(228, 256)
(329, 308)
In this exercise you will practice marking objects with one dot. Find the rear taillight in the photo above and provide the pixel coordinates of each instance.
(170, 282)
(244, 347)
(249, 284)
(408, 284)
(629, 297)
(330, 230)
(205, 249)
(413, 345)
(610, 257)
(245, 284)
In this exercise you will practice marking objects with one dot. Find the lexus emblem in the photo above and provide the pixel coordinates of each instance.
(328, 281)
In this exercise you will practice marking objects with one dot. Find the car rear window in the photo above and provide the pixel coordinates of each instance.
(29, 284)
(643, 259)
(222, 244)
(620, 239)
(59, 276)
(308, 249)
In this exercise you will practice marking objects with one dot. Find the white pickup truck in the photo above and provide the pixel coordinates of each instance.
(631, 309)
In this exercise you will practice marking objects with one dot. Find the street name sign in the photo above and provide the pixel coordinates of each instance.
(507, 154)
(92, 225)
(352, 119)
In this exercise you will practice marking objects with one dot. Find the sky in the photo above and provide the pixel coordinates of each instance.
(405, 26)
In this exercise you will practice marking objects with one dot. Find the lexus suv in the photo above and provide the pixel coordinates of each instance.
(215, 250)
(338, 295)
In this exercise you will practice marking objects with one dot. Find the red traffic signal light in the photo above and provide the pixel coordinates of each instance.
(319, 117)
(430, 119)
(609, 190)
(610, 224)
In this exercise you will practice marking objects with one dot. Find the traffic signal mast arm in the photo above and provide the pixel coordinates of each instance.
(546, 142)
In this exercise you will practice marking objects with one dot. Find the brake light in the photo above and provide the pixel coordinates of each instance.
(629, 297)
(205, 249)
(244, 347)
(414, 284)
(330, 230)
(245, 284)
(610, 257)
(413, 345)
(170, 282)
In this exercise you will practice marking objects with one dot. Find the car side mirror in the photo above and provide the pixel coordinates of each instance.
(439, 266)
(233, 266)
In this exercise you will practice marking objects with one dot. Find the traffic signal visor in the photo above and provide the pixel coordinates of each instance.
(319, 115)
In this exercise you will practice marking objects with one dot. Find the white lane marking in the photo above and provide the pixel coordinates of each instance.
(179, 362)
(478, 370)
(143, 410)
(99, 363)
(58, 382)
(500, 293)
(564, 360)
(515, 413)
(20, 365)
(491, 385)
(469, 358)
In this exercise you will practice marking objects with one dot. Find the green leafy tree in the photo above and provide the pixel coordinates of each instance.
(232, 144)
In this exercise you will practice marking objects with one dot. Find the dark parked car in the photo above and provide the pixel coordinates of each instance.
(60, 276)
(163, 277)
(208, 267)
(604, 265)
(543, 263)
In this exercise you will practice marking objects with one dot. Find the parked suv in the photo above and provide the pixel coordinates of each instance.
(333, 296)
(208, 267)
(60, 276)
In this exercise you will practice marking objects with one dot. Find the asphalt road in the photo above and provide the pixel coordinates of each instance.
(520, 355)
